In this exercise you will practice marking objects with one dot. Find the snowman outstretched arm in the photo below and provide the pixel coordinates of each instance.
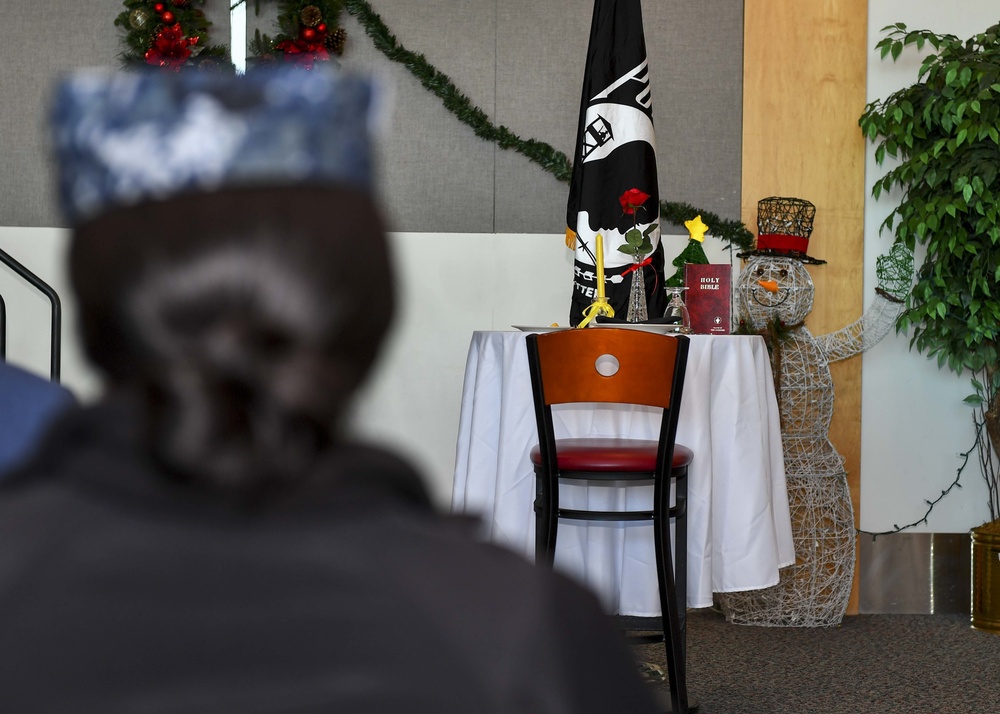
(895, 275)
(865, 333)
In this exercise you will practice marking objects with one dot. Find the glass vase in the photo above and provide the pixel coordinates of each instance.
(637, 295)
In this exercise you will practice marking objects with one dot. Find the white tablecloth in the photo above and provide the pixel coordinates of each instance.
(738, 523)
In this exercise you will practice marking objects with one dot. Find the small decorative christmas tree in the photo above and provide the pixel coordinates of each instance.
(693, 252)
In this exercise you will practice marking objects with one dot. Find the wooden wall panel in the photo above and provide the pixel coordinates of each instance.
(804, 89)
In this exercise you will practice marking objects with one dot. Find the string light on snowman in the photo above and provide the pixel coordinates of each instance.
(774, 296)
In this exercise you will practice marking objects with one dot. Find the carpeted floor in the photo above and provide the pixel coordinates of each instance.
(872, 664)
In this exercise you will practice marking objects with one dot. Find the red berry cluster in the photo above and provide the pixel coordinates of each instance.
(310, 45)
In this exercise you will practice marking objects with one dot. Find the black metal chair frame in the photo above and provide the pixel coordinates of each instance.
(637, 353)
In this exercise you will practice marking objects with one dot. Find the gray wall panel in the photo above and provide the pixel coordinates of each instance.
(38, 46)
(89, 39)
(520, 61)
(541, 49)
(698, 103)
(435, 174)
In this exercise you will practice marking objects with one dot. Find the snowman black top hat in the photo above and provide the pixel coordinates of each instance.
(783, 229)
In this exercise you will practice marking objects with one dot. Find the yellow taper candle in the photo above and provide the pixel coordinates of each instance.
(600, 305)
(600, 267)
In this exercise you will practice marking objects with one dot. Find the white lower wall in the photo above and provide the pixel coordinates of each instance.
(449, 284)
(452, 285)
(42, 251)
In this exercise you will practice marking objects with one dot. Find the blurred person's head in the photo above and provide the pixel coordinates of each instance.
(241, 302)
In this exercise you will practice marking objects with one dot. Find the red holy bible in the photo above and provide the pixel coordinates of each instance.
(709, 298)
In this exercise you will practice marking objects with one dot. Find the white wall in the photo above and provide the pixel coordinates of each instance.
(42, 252)
(450, 286)
(914, 422)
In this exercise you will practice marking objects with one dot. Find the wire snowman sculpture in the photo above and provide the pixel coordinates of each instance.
(774, 296)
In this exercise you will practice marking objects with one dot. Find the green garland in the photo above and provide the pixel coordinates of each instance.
(439, 84)
(555, 162)
(734, 233)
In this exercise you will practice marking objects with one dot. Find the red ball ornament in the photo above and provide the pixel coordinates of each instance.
(321, 27)
(159, 7)
(308, 34)
(168, 18)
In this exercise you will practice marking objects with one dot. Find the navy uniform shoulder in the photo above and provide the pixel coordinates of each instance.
(28, 406)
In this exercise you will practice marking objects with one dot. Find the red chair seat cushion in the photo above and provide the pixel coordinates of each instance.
(610, 454)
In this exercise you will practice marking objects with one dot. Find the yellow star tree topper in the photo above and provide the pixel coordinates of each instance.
(696, 229)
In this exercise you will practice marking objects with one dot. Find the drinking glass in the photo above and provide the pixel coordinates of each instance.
(677, 311)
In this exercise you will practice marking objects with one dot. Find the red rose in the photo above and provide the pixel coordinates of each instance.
(632, 199)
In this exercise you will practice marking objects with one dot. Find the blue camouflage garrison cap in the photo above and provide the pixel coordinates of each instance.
(122, 138)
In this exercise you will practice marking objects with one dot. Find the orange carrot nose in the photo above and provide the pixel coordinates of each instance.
(770, 285)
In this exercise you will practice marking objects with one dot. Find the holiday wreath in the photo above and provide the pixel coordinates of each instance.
(168, 33)
(173, 34)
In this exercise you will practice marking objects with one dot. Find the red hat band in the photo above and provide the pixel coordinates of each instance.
(782, 243)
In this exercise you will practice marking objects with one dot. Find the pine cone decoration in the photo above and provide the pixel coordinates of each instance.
(335, 41)
(311, 16)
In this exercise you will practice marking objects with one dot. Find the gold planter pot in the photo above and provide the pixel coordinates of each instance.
(986, 577)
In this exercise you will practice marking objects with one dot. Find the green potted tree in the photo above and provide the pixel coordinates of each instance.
(940, 138)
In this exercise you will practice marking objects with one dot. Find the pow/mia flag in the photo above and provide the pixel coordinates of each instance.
(615, 152)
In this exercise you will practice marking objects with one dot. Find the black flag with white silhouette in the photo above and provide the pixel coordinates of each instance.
(615, 152)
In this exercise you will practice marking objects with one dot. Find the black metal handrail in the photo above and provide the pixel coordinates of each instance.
(50, 293)
(3, 329)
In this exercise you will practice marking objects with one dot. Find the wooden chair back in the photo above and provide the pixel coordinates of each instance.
(610, 365)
